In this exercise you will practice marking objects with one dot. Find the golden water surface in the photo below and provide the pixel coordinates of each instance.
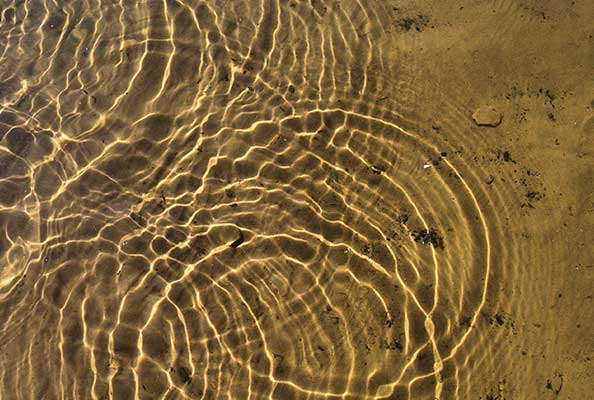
(296, 199)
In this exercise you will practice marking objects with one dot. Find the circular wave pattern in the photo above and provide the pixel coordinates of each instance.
(215, 200)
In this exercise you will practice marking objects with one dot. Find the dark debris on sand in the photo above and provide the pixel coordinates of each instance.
(500, 319)
(418, 23)
(532, 197)
(394, 345)
(429, 237)
(555, 385)
(237, 242)
(184, 374)
(505, 156)
(378, 170)
(139, 219)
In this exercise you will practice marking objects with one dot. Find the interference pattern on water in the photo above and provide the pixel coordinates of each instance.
(216, 199)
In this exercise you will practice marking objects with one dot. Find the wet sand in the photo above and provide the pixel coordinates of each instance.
(296, 199)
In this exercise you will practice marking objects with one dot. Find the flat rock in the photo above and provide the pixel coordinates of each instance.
(487, 116)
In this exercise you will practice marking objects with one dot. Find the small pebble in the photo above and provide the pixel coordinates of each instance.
(487, 116)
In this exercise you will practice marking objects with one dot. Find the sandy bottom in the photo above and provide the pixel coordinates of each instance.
(301, 199)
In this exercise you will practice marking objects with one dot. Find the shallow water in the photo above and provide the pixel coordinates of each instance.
(296, 199)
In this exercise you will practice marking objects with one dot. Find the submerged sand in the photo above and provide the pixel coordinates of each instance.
(296, 199)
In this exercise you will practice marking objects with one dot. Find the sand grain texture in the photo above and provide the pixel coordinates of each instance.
(260, 199)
